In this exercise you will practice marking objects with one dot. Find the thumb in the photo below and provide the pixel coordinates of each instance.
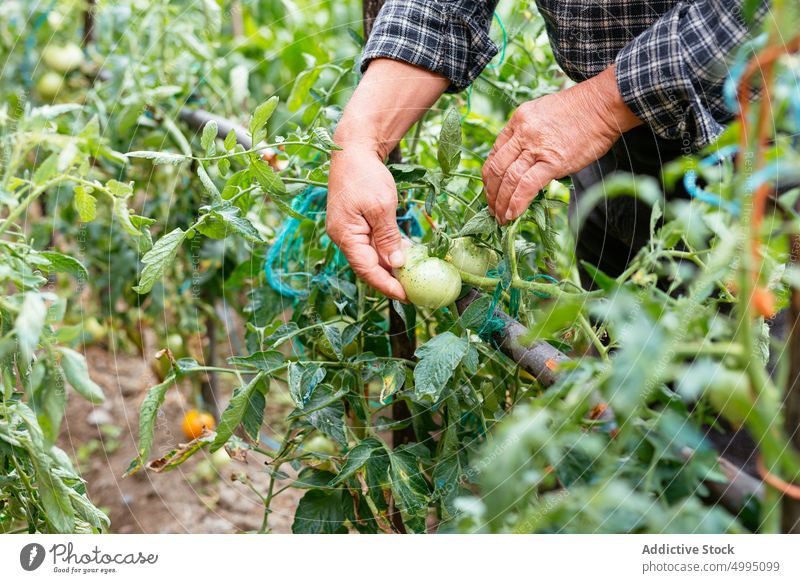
(386, 237)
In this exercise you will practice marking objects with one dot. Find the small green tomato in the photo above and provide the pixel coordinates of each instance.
(49, 85)
(471, 258)
(63, 59)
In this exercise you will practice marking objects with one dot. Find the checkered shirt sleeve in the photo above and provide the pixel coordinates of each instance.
(672, 74)
(449, 37)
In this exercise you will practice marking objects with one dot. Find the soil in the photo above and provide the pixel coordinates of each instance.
(196, 497)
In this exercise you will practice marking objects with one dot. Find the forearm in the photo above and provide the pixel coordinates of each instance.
(390, 98)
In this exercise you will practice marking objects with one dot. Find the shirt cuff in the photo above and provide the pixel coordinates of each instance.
(654, 81)
(446, 38)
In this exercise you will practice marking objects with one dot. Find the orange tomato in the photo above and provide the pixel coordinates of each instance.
(764, 302)
(194, 422)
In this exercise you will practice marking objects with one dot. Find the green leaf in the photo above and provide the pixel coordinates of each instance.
(123, 215)
(302, 85)
(46, 170)
(439, 358)
(60, 263)
(356, 459)
(207, 183)
(158, 259)
(268, 361)
(77, 372)
(449, 153)
(29, 324)
(207, 140)
(120, 189)
(480, 223)
(260, 117)
(323, 512)
(230, 140)
(411, 492)
(147, 416)
(303, 379)
(253, 417)
(323, 136)
(85, 204)
(325, 412)
(269, 181)
(235, 411)
(159, 157)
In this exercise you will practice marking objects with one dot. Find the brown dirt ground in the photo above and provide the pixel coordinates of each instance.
(102, 442)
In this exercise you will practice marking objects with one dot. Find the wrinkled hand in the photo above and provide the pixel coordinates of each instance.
(551, 137)
(361, 218)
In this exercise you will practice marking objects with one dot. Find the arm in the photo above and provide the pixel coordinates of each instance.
(362, 197)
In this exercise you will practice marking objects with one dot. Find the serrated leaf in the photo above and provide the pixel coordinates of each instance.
(411, 492)
(480, 223)
(323, 136)
(301, 87)
(123, 214)
(439, 358)
(356, 459)
(268, 361)
(323, 512)
(158, 259)
(303, 379)
(147, 416)
(207, 140)
(266, 177)
(235, 411)
(260, 117)
(85, 204)
(120, 189)
(29, 324)
(230, 140)
(449, 152)
(77, 373)
(60, 263)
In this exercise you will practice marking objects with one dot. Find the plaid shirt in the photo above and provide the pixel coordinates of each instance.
(671, 56)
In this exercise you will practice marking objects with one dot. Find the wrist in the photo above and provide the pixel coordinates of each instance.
(362, 140)
(611, 106)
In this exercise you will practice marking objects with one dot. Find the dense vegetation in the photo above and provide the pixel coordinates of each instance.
(119, 211)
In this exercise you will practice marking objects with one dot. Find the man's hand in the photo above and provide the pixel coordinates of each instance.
(362, 202)
(551, 137)
(362, 197)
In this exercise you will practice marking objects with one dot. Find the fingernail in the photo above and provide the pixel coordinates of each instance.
(509, 214)
(397, 259)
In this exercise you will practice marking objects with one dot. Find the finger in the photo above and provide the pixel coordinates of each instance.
(536, 178)
(365, 262)
(496, 166)
(511, 179)
(385, 235)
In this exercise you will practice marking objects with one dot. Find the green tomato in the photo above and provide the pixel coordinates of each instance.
(63, 59)
(730, 396)
(220, 458)
(471, 258)
(326, 348)
(319, 444)
(49, 85)
(429, 282)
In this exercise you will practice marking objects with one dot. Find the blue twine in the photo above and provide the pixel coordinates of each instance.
(277, 276)
(710, 198)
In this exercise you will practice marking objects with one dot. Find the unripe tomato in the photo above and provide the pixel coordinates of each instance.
(195, 421)
(730, 396)
(319, 444)
(326, 348)
(471, 258)
(764, 302)
(176, 345)
(49, 85)
(220, 458)
(429, 282)
(63, 59)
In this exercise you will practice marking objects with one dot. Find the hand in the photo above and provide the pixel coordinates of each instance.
(551, 137)
(361, 217)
